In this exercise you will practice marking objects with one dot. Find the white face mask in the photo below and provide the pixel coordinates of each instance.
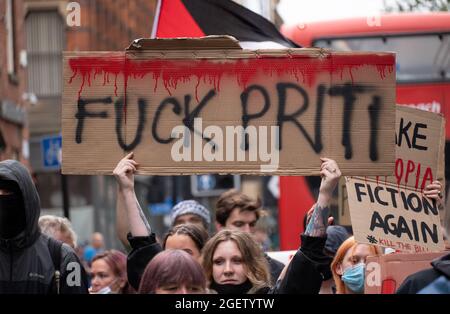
(105, 290)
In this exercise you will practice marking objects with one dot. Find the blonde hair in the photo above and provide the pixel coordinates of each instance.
(255, 264)
(50, 225)
(348, 244)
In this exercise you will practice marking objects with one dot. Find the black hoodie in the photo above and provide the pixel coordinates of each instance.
(26, 265)
(416, 282)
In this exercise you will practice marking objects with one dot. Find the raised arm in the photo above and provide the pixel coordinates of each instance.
(126, 199)
(317, 226)
(122, 225)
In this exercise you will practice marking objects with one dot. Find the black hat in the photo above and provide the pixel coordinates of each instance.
(335, 236)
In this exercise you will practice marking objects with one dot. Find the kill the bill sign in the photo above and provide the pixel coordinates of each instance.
(392, 211)
(187, 106)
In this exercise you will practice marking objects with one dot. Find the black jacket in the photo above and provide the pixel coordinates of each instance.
(143, 249)
(275, 268)
(416, 282)
(308, 268)
(26, 265)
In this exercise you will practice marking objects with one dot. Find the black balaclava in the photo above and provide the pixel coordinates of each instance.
(12, 210)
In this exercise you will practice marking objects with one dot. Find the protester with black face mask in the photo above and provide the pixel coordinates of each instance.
(31, 262)
(12, 210)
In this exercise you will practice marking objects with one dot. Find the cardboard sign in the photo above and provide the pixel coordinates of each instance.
(392, 211)
(343, 218)
(188, 110)
(386, 273)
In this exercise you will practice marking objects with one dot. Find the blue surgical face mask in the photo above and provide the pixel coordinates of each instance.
(353, 278)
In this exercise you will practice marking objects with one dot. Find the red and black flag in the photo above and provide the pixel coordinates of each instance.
(198, 18)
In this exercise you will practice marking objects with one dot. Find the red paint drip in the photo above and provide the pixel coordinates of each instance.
(196, 89)
(378, 179)
(125, 86)
(351, 74)
(73, 76)
(155, 78)
(81, 87)
(244, 70)
(115, 85)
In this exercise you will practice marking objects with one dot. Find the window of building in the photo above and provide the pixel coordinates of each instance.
(45, 43)
(10, 48)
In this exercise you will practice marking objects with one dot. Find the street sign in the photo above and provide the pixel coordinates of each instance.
(162, 208)
(208, 185)
(51, 152)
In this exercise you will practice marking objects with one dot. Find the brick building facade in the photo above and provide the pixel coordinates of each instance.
(13, 99)
(51, 28)
(111, 25)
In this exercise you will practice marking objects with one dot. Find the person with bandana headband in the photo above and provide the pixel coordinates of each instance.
(26, 264)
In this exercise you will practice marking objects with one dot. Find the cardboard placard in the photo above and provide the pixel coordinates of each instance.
(343, 218)
(182, 111)
(392, 211)
(386, 273)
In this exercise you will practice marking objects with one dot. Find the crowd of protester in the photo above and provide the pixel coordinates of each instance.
(36, 252)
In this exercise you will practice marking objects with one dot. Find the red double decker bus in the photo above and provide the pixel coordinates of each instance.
(422, 44)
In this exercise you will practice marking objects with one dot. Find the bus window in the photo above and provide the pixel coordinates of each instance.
(420, 58)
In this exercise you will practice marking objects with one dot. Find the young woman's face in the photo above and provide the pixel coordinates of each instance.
(179, 288)
(103, 276)
(354, 256)
(183, 242)
(352, 268)
(228, 265)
